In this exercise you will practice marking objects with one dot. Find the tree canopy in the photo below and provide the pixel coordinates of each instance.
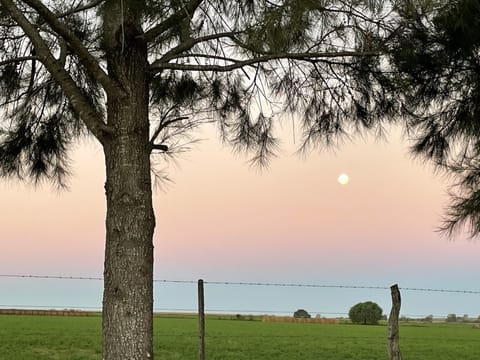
(240, 63)
(365, 313)
(436, 61)
(301, 314)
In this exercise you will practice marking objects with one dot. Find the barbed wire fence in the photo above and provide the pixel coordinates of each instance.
(275, 284)
(229, 283)
(242, 339)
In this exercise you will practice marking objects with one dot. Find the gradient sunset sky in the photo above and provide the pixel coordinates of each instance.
(223, 221)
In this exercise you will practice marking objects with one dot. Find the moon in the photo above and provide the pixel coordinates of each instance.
(343, 179)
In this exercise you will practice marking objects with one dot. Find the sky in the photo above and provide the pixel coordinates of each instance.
(223, 221)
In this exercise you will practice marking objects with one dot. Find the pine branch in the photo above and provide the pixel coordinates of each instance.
(159, 65)
(76, 45)
(80, 103)
(18, 59)
(163, 125)
(174, 19)
(190, 43)
(160, 147)
(78, 9)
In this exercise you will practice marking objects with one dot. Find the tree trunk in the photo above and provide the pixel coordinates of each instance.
(128, 273)
(393, 332)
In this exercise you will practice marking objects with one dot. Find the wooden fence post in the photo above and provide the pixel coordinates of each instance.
(392, 337)
(201, 320)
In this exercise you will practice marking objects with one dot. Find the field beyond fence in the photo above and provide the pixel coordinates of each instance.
(31, 337)
(62, 331)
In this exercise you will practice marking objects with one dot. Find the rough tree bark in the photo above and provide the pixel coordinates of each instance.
(393, 332)
(130, 222)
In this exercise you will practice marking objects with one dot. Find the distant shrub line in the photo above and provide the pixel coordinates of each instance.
(48, 312)
(289, 319)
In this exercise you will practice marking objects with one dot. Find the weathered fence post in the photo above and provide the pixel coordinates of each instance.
(201, 320)
(393, 345)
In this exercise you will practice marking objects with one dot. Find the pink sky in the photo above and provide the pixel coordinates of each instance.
(222, 220)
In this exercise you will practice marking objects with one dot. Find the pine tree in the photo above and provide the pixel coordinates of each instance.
(138, 75)
(436, 59)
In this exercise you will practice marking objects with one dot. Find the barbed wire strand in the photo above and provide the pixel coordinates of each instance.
(238, 283)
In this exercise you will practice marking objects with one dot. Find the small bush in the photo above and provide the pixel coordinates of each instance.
(301, 314)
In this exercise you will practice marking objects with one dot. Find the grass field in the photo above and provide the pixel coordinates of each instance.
(26, 337)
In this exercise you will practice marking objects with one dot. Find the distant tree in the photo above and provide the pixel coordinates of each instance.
(451, 318)
(366, 313)
(301, 314)
(436, 58)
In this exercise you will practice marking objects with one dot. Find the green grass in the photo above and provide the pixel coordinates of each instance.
(26, 337)
(79, 338)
